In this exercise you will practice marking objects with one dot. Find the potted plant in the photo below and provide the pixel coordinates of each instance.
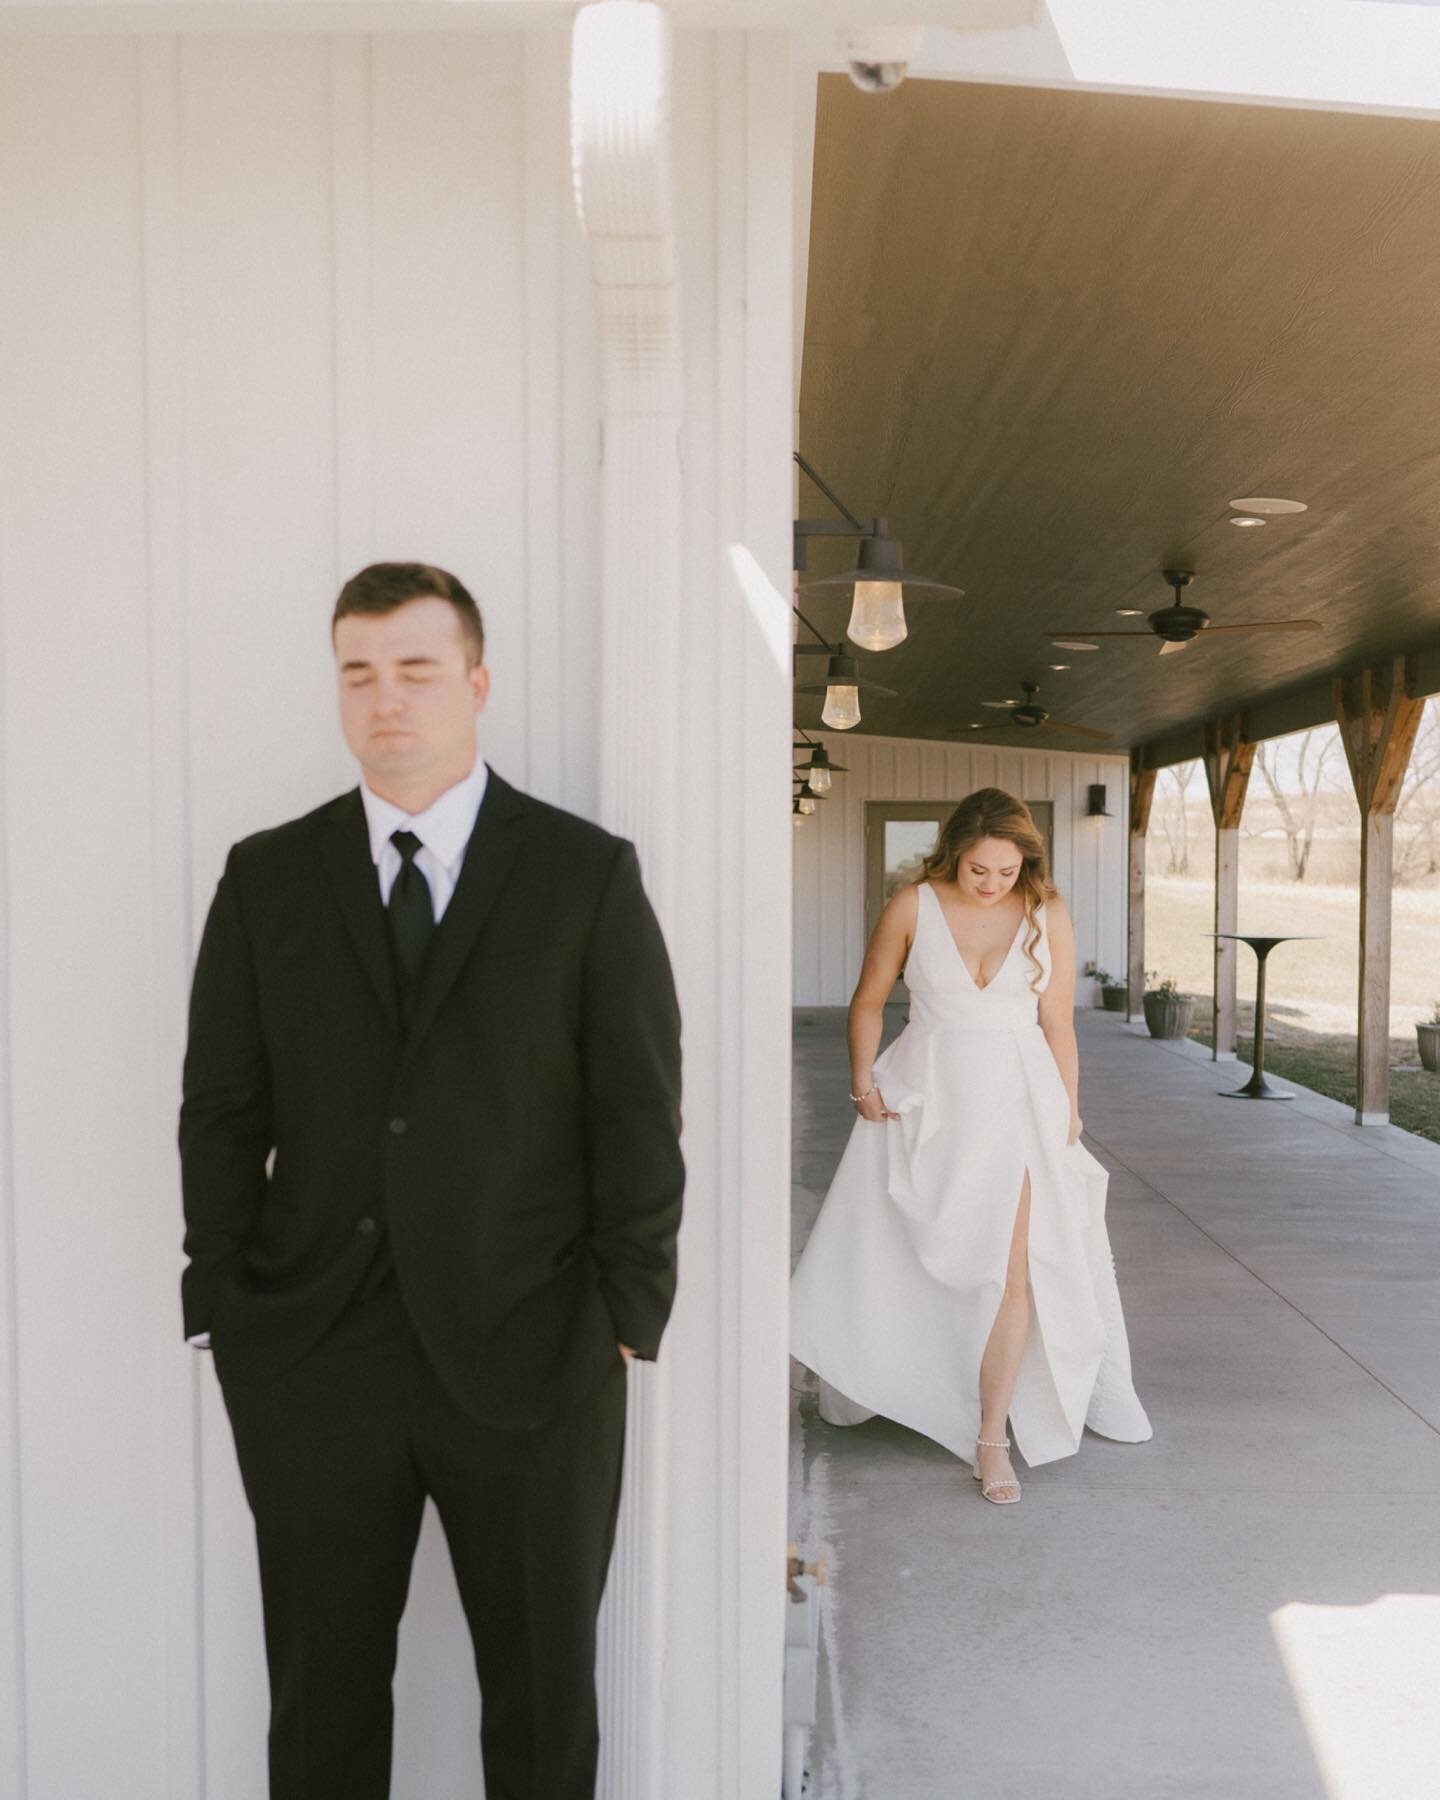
(1167, 1010)
(1428, 1033)
(1113, 993)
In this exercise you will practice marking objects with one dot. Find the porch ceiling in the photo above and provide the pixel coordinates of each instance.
(1052, 334)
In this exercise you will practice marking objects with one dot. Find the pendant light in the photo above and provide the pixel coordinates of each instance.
(842, 688)
(879, 580)
(818, 773)
(877, 616)
(881, 586)
(841, 711)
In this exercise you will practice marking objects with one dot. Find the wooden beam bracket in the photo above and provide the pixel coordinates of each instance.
(1378, 711)
(1229, 756)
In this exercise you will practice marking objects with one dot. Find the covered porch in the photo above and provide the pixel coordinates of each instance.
(1122, 369)
(1247, 1604)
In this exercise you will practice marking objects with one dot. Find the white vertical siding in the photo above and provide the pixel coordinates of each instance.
(1090, 854)
(90, 1267)
(270, 306)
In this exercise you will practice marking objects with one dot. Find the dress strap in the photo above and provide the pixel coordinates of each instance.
(915, 944)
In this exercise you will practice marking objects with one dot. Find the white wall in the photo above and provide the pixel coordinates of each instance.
(1090, 854)
(272, 306)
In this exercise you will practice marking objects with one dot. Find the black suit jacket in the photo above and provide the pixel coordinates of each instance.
(515, 1148)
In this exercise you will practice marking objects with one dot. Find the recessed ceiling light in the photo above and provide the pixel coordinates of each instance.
(1130, 612)
(1059, 665)
(1272, 508)
(1247, 519)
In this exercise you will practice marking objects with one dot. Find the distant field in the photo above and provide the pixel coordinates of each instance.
(1311, 987)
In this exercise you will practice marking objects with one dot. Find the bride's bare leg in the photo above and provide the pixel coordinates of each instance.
(1000, 1365)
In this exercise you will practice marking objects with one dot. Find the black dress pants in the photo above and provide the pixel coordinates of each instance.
(337, 1457)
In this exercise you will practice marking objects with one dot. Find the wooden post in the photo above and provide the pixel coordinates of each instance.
(1378, 714)
(1227, 772)
(1142, 792)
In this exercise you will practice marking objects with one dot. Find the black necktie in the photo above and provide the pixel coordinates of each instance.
(412, 916)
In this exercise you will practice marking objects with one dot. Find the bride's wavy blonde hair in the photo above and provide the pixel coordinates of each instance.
(992, 813)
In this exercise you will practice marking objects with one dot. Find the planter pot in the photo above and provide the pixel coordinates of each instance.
(1429, 1036)
(1168, 1018)
(1113, 998)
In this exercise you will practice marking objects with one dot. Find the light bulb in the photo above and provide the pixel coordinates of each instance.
(877, 619)
(820, 780)
(842, 707)
(807, 803)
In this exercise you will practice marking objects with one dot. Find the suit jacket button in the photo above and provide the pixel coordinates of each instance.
(398, 1127)
(366, 1225)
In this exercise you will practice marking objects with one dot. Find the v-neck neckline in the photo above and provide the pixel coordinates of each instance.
(979, 987)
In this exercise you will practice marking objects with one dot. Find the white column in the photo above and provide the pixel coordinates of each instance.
(620, 136)
(694, 765)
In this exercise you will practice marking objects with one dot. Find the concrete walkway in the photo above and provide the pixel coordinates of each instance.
(1249, 1605)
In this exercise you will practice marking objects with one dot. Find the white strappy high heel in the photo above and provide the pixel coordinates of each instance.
(1003, 1481)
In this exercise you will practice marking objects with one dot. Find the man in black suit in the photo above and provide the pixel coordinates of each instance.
(432, 1178)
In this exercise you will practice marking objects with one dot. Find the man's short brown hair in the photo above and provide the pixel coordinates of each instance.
(385, 586)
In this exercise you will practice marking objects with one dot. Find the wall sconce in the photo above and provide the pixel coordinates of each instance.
(1095, 807)
(879, 579)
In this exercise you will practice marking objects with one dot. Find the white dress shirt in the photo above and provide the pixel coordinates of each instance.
(443, 829)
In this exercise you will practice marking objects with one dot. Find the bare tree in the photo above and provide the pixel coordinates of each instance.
(1417, 812)
(1173, 813)
(1298, 803)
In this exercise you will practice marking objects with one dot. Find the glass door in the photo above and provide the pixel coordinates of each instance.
(899, 835)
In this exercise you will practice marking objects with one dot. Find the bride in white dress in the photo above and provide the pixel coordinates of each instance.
(959, 1276)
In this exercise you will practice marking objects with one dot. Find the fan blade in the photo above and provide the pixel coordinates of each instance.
(1089, 731)
(1175, 644)
(1055, 634)
(1072, 644)
(1271, 625)
(1000, 705)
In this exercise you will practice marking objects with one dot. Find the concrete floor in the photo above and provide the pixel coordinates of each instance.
(1247, 1606)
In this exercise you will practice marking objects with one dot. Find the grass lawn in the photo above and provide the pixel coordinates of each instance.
(1311, 983)
(1325, 1061)
(1310, 1003)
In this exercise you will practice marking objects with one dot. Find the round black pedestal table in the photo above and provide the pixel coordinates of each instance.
(1257, 1087)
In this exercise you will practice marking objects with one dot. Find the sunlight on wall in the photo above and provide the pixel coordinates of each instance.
(768, 606)
(1365, 1680)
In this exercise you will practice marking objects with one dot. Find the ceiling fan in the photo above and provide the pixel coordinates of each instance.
(1177, 625)
(1027, 714)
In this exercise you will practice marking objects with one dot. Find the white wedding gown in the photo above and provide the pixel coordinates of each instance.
(898, 1286)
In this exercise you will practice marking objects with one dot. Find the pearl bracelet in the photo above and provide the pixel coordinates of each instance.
(857, 1098)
